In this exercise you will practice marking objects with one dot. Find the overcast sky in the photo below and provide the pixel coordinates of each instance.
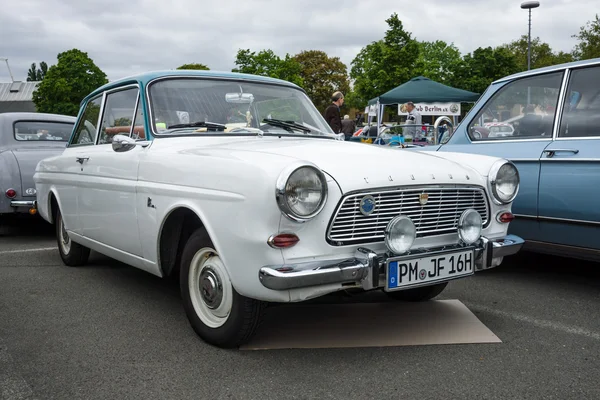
(125, 37)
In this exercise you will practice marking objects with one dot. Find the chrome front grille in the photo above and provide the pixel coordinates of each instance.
(437, 216)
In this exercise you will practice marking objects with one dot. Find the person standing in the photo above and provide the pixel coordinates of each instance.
(332, 113)
(413, 118)
(348, 126)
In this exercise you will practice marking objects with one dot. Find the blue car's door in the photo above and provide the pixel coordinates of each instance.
(569, 208)
(514, 104)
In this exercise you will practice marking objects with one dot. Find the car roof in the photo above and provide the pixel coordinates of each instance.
(551, 68)
(7, 120)
(146, 77)
(10, 117)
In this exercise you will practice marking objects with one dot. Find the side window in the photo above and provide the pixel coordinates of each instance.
(581, 112)
(118, 114)
(138, 123)
(86, 131)
(523, 109)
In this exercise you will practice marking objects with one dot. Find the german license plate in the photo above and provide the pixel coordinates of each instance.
(404, 273)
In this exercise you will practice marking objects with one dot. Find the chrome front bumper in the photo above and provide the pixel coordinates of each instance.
(367, 268)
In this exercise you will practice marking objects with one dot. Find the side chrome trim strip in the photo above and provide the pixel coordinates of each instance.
(571, 159)
(525, 216)
(568, 220)
(542, 218)
(578, 138)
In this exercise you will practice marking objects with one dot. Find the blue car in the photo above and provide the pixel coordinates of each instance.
(547, 122)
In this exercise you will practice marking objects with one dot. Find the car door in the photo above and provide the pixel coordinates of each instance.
(69, 165)
(107, 199)
(515, 104)
(570, 167)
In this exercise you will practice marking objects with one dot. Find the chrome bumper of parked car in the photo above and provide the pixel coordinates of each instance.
(22, 203)
(367, 268)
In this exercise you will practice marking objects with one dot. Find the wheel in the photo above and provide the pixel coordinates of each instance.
(419, 294)
(73, 254)
(217, 313)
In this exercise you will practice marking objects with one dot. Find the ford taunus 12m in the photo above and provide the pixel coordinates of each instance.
(236, 184)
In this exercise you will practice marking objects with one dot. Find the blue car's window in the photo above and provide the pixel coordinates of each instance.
(581, 116)
(42, 131)
(522, 109)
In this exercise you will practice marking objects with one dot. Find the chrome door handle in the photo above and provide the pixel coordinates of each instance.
(80, 160)
(550, 153)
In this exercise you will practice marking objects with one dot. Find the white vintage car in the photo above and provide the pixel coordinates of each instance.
(235, 184)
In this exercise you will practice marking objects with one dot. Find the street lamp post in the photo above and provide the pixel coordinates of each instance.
(528, 5)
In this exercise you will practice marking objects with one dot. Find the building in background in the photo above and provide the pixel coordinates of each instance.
(17, 96)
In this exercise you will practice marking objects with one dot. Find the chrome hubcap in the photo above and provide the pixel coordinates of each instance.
(65, 235)
(210, 291)
(211, 288)
(64, 239)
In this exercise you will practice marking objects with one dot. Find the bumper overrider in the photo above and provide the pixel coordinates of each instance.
(31, 205)
(370, 270)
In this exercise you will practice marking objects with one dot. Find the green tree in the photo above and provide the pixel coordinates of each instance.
(387, 63)
(35, 74)
(67, 83)
(438, 60)
(322, 75)
(588, 45)
(541, 53)
(353, 100)
(196, 66)
(478, 70)
(267, 63)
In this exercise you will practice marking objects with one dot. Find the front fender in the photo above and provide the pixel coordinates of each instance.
(477, 162)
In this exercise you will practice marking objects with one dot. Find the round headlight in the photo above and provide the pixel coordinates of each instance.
(469, 226)
(400, 234)
(504, 181)
(301, 192)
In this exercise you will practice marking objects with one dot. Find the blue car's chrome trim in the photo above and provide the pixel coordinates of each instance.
(571, 159)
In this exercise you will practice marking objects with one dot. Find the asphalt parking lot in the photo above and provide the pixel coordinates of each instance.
(109, 331)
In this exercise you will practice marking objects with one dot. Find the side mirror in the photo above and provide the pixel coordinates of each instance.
(122, 143)
(448, 134)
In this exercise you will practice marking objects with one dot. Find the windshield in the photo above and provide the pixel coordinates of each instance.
(212, 106)
(42, 131)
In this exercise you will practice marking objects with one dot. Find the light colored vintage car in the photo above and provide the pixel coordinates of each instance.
(278, 209)
(25, 139)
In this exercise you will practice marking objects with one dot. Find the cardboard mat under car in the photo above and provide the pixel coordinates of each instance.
(369, 325)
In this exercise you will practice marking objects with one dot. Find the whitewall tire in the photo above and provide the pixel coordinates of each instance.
(216, 312)
(73, 254)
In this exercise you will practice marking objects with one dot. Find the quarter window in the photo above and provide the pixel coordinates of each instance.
(118, 115)
(581, 112)
(523, 109)
(86, 131)
(138, 123)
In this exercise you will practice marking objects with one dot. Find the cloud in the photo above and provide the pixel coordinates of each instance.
(127, 37)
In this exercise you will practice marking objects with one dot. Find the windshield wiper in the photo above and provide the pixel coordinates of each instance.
(199, 124)
(287, 125)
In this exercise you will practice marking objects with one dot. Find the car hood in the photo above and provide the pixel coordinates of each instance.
(358, 166)
(28, 160)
